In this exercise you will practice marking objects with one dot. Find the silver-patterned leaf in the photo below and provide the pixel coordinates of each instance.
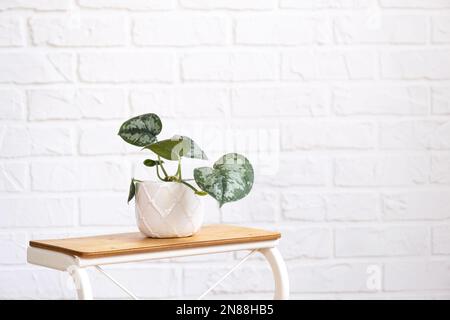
(230, 179)
(141, 130)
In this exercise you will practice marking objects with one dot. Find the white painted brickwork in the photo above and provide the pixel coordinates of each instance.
(356, 91)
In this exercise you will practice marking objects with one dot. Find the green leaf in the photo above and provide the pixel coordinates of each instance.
(132, 191)
(152, 163)
(141, 130)
(176, 147)
(230, 179)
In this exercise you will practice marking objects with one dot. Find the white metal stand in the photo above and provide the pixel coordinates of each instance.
(82, 283)
(76, 266)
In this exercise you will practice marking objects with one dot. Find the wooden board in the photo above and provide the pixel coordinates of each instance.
(129, 243)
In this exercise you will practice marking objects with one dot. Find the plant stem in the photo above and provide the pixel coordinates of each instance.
(162, 167)
(188, 185)
(179, 169)
(157, 173)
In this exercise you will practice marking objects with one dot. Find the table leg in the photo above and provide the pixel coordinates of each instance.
(279, 271)
(82, 283)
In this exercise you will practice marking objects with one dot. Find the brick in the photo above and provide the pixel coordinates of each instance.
(431, 4)
(197, 280)
(441, 239)
(302, 242)
(106, 211)
(351, 207)
(440, 169)
(37, 67)
(416, 205)
(107, 103)
(420, 135)
(15, 103)
(258, 206)
(13, 248)
(34, 284)
(228, 4)
(259, 140)
(416, 64)
(440, 100)
(327, 135)
(98, 32)
(329, 277)
(329, 206)
(380, 100)
(126, 67)
(79, 176)
(183, 102)
(324, 4)
(440, 29)
(304, 207)
(280, 101)
(381, 241)
(299, 171)
(416, 275)
(40, 5)
(86, 103)
(53, 105)
(14, 176)
(396, 29)
(242, 66)
(282, 30)
(38, 212)
(22, 141)
(11, 32)
(134, 5)
(312, 65)
(101, 139)
(381, 171)
(181, 30)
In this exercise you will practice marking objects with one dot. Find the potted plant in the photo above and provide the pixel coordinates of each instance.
(173, 206)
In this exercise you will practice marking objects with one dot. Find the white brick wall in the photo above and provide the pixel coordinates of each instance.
(357, 90)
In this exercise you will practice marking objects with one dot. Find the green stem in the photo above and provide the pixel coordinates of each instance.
(189, 185)
(162, 167)
(157, 173)
(179, 170)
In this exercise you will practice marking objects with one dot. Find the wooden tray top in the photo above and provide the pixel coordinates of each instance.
(129, 243)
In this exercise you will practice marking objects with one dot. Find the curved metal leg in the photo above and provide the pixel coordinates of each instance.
(279, 271)
(82, 283)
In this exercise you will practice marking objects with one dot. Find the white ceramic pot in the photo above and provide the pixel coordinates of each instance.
(167, 209)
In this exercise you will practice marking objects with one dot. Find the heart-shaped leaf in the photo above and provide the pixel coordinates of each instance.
(230, 178)
(141, 130)
(176, 147)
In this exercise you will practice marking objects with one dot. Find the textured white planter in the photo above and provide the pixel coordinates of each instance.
(167, 209)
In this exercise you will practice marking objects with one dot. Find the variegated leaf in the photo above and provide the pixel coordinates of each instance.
(176, 147)
(141, 130)
(230, 179)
